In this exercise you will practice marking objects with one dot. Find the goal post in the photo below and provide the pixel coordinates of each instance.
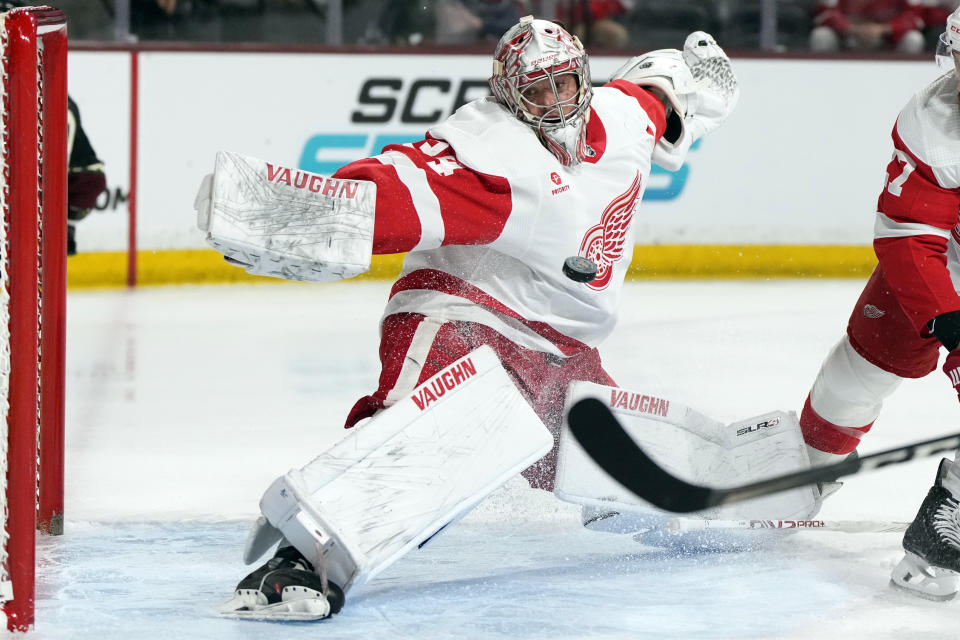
(53, 290)
(33, 145)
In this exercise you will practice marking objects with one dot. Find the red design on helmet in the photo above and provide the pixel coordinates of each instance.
(540, 55)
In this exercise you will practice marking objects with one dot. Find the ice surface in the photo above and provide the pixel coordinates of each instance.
(184, 403)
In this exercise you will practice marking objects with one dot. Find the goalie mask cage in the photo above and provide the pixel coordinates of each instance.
(33, 49)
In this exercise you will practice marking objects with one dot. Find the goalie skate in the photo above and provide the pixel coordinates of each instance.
(285, 588)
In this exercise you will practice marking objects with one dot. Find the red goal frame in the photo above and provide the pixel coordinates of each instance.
(35, 134)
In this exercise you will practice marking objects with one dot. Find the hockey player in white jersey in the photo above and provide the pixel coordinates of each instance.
(908, 310)
(488, 206)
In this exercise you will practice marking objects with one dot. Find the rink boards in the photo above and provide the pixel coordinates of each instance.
(787, 187)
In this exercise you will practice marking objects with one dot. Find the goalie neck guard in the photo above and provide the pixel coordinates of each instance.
(533, 65)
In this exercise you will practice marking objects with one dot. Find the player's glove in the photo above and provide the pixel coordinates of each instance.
(951, 367)
(946, 327)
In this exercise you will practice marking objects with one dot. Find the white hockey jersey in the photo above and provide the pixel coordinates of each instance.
(916, 233)
(488, 216)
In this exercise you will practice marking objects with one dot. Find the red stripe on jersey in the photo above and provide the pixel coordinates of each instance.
(915, 267)
(396, 227)
(596, 137)
(650, 103)
(913, 194)
(474, 205)
(433, 280)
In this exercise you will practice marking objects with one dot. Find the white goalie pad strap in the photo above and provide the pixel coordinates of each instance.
(409, 472)
(694, 447)
(287, 223)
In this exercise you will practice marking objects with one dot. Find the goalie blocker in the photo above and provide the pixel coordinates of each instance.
(286, 223)
(396, 481)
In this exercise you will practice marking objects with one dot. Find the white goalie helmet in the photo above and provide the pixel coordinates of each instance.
(948, 48)
(541, 74)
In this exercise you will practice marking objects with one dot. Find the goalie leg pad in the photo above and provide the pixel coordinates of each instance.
(410, 471)
(692, 446)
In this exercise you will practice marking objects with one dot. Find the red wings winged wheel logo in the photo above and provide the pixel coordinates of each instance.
(603, 242)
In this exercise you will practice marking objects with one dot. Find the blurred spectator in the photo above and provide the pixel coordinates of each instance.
(462, 21)
(401, 22)
(155, 19)
(870, 25)
(178, 19)
(592, 21)
(85, 178)
(934, 13)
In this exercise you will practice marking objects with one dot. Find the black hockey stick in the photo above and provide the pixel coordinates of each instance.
(601, 435)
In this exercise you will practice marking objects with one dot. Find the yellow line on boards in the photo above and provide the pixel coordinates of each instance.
(203, 266)
(751, 261)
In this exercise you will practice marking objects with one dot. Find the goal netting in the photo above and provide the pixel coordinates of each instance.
(33, 146)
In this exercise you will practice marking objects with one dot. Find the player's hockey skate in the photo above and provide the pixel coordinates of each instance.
(931, 567)
(285, 588)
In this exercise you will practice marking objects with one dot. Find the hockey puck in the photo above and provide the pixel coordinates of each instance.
(579, 269)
